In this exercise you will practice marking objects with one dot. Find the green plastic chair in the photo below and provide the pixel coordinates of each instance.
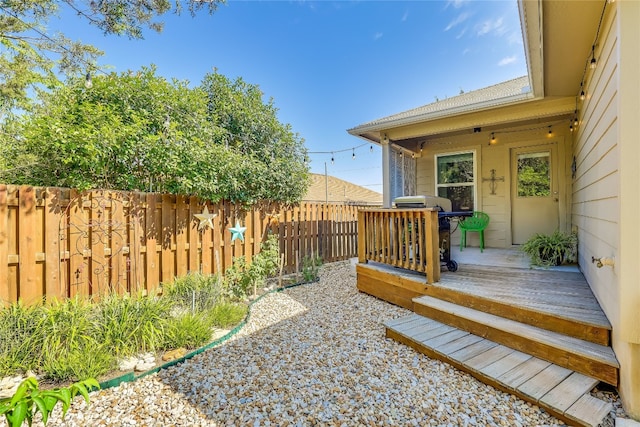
(478, 222)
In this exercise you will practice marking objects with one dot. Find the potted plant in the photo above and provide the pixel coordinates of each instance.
(551, 249)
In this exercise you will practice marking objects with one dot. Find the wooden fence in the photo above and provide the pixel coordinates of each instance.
(56, 242)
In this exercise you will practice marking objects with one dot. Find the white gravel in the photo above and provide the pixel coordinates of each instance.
(311, 355)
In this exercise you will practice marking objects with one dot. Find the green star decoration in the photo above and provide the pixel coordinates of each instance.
(205, 218)
(237, 232)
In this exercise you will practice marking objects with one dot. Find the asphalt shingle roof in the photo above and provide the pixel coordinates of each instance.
(499, 93)
(340, 191)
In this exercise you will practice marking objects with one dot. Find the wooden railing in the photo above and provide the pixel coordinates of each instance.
(405, 238)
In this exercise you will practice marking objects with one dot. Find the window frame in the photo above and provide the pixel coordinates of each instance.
(473, 184)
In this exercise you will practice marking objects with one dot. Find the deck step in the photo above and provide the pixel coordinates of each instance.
(594, 360)
(572, 315)
(560, 391)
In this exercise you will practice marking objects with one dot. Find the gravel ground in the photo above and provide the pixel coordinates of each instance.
(311, 355)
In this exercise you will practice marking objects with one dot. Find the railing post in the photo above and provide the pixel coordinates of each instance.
(362, 229)
(433, 247)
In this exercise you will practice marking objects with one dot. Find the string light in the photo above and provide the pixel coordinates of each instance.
(335, 153)
(88, 82)
(592, 62)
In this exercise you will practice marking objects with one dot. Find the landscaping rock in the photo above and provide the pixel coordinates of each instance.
(174, 354)
(310, 355)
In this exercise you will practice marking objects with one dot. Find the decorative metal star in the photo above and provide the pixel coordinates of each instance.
(237, 232)
(205, 218)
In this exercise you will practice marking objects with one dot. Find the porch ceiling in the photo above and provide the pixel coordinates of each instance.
(569, 30)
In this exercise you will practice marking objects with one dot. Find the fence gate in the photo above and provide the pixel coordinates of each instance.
(96, 232)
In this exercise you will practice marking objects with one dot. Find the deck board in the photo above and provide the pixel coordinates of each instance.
(488, 357)
(459, 344)
(558, 293)
(560, 391)
(588, 410)
(506, 364)
(544, 381)
(569, 391)
(523, 372)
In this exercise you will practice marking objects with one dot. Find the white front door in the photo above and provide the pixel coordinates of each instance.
(534, 192)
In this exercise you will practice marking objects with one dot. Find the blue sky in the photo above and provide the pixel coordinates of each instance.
(332, 65)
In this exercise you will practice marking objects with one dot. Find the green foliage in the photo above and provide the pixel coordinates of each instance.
(311, 267)
(30, 58)
(241, 277)
(534, 178)
(227, 314)
(194, 291)
(65, 334)
(551, 249)
(139, 131)
(236, 280)
(189, 330)
(17, 325)
(29, 399)
(134, 324)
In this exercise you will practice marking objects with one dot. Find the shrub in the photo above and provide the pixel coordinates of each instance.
(240, 277)
(195, 291)
(134, 324)
(66, 333)
(17, 325)
(311, 267)
(227, 314)
(189, 330)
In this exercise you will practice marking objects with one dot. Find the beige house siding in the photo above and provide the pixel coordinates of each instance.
(595, 204)
(606, 190)
(498, 156)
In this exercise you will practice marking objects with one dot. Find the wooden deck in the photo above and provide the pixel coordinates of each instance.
(538, 334)
(557, 301)
(560, 391)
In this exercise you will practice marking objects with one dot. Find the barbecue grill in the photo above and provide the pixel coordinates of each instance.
(445, 215)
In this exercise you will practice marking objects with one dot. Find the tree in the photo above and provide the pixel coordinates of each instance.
(30, 57)
(139, 131)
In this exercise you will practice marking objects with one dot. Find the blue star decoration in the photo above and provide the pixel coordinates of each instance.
(237, 232)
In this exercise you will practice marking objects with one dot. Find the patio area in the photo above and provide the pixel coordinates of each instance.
(312, 355)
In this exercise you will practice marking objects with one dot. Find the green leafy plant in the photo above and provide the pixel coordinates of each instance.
(66, 332)
(311, 267)
(29, 399)
(241, 276)
(189, 330)
(17, 326)
(194, 291)
(551, 249)
(134, 324)
(227, 314)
